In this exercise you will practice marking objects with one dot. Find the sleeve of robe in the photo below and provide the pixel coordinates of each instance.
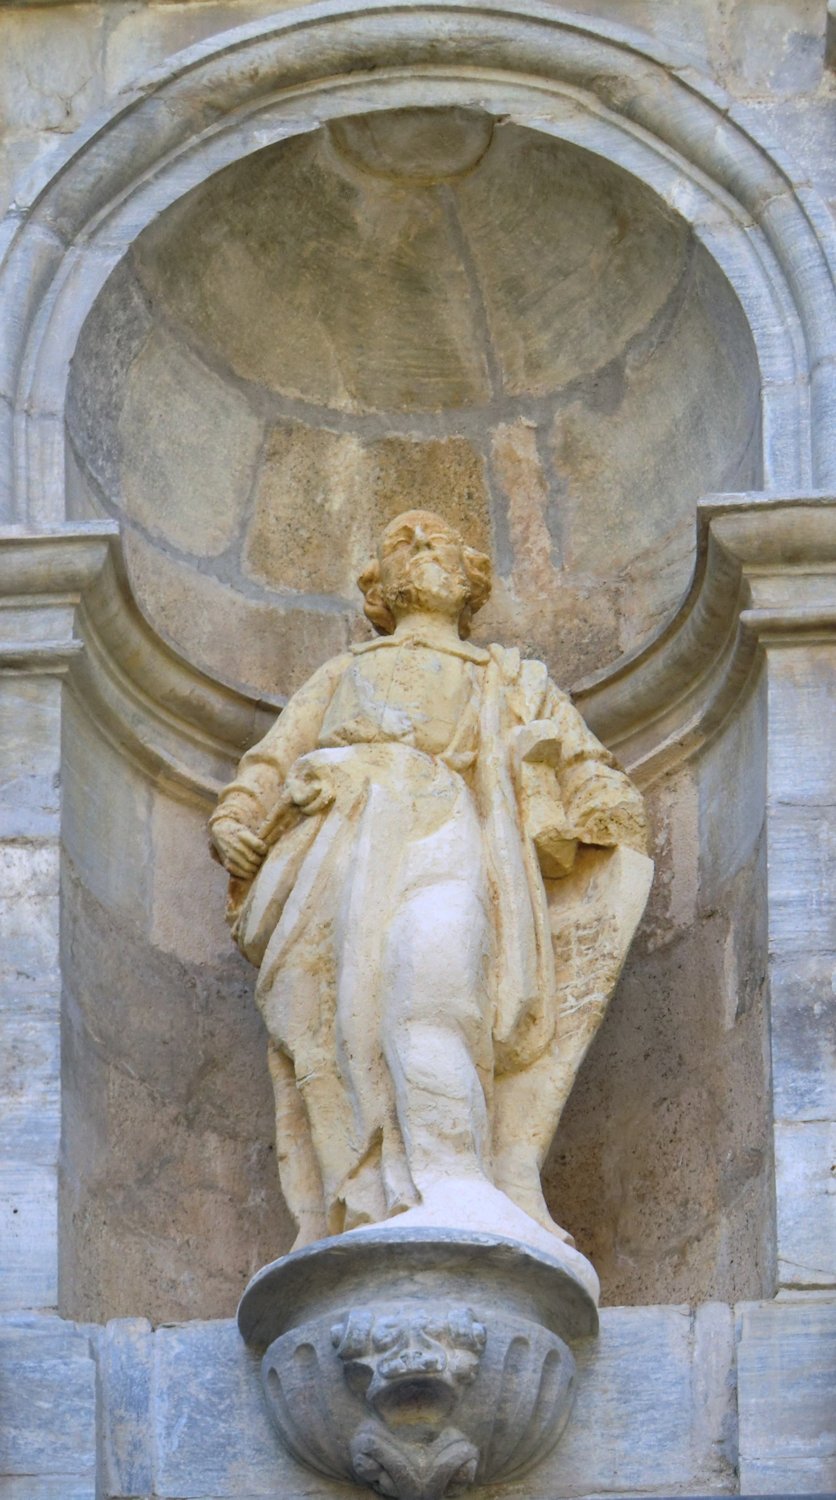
(600, 804)
(261, 774)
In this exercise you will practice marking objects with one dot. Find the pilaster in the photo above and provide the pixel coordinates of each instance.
(40, 583)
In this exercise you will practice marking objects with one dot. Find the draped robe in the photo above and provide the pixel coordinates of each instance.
(413, 905)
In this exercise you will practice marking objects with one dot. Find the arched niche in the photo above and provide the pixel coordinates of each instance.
(163, 1075)
(418, 307)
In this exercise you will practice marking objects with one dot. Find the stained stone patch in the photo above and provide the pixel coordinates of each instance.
(264, 645)
(47, 1411)
(424, 308)
(786, 1360)
(690, 432)
(189, 445)
(316, 486)
(324, 285)
(572, 262)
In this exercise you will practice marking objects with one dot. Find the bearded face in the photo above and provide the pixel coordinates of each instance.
(422, 566)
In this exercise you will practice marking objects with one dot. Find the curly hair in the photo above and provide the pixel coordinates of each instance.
(477, 568)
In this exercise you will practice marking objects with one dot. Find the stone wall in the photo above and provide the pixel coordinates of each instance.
(265, 297)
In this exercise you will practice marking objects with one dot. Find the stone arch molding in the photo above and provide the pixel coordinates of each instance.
(590, 83)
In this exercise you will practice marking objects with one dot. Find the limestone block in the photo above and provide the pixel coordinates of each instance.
(787, 1397)
(139, 40)
(124, 1358)
(732, 797)
(28, 919)
(211, 1429)
(47, 1411)
(189, 443)
(802, 752)
(30, 736)
(654, 1414)
(315, 484)
(162, 1062)
(28, 1234)
(659, 1393)
(112, 338)
(30, 1104)
(805, 1154)
(363, 301)
(265, 648)
(689, 441)
(106, 808)
(50, 76)
(802, 890)
(533, 512)
(803, 1005)
(533, 203)
(187, 912)
(775, 48)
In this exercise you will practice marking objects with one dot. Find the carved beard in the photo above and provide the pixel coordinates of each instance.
(426, 585)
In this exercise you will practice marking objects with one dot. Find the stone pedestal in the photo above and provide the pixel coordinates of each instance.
(422, 1362)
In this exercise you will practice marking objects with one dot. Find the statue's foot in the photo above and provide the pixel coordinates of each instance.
(473, 1203)
(529, 1197)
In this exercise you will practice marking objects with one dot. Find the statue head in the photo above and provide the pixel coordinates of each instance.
(422, 563)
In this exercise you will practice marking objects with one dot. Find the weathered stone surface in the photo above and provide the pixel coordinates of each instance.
(802, 755)
(418, 348)
(803, 1009)
(268, 647)
(221, 1444)
(189, 444)
(28, 919)
(344, 307)
(700, 428)
(30, 1104)
(314, 484)
(28, 1234)
(611, 265)
(30, 756)
(654, 1414)
(805, 1155)
(178, 1048)
(732, 797)
(124, 1352)
(144, 38)
(673, 1098)
(101, 794)
(50, 76)
(786, 1387)
(802, 892)
(47, 1411)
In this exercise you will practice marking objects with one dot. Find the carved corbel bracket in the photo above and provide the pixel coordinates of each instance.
(418, 1364)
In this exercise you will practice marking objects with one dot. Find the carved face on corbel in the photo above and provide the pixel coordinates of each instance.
(394, 1359)
(423, 564)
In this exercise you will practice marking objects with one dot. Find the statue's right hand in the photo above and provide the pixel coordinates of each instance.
(241, 851)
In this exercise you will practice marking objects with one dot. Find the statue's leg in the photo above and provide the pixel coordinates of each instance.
(299, 1173)
(436, 1030)
(527, 1107)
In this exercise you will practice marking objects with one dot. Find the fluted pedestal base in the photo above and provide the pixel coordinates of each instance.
(420, 1362)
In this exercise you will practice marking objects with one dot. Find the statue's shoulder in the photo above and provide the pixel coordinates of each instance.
(528, 678)
(317, 689)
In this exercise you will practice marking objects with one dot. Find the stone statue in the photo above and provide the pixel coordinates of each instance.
(437, 868)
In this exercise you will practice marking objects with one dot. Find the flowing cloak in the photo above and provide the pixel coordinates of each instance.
(315, 916)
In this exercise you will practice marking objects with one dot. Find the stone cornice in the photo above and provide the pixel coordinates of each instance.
(181, 726)
(765, 575)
